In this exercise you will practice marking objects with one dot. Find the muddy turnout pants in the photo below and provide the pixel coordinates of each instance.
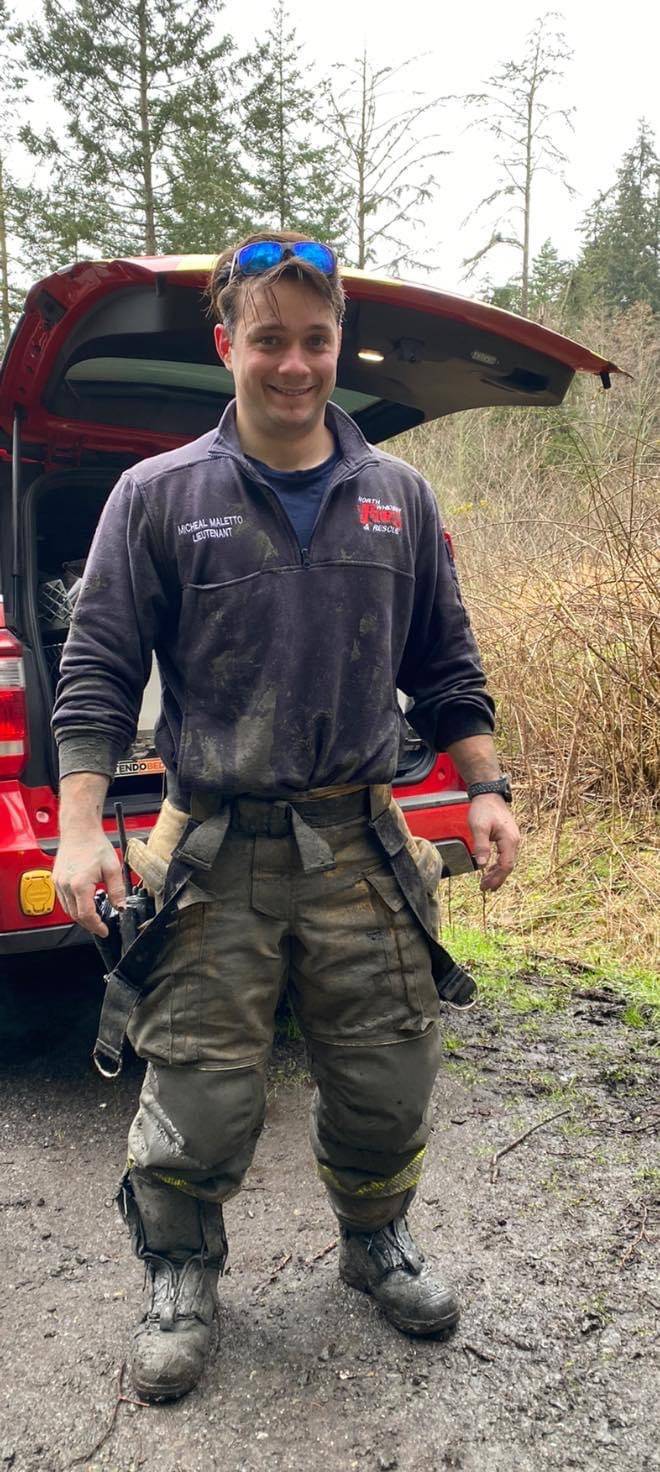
(357, 967)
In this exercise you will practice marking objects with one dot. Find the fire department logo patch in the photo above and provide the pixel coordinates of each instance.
(376, 517)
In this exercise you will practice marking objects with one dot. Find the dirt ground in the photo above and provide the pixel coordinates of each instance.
(552, 1365)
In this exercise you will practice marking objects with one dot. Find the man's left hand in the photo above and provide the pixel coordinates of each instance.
(492, 822)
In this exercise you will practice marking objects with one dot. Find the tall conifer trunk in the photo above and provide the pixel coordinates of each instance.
(290, 164)
(515, 111)
(529, 174)
(145, 137)
(361, 167)
(527, 211)
(281, 162)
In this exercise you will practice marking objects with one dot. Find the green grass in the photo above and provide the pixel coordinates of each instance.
(633, 1017)
(503, 965)
(452, 1043)
(596, 904)
(648, 1176)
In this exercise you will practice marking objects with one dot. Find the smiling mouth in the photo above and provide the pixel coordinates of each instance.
(291, 393)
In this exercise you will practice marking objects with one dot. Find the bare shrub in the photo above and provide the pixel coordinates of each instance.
(554, 520)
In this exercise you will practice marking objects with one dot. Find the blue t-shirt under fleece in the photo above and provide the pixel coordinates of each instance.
(300, 491)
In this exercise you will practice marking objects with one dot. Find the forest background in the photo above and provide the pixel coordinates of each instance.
(148, 126)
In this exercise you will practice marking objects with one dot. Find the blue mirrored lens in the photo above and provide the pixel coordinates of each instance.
(316, 255)
(261, 256)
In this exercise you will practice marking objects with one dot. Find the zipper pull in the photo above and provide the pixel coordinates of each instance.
(305, 557)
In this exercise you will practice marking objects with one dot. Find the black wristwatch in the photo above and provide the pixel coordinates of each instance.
(500, 785)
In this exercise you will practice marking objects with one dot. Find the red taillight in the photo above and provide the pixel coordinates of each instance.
(13, 716)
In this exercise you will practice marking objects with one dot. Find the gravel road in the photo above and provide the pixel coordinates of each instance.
(552, 1365)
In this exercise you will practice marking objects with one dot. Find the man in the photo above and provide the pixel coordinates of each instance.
(281, 641)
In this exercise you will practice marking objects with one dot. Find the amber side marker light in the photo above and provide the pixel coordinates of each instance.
(36, 894)
(371, 355)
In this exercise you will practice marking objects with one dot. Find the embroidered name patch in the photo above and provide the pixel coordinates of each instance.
(209, 528)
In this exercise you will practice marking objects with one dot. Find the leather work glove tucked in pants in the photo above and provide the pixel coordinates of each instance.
(358, 971)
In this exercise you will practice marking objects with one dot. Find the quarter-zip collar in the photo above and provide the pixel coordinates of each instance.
(355, 449)
(355, 453)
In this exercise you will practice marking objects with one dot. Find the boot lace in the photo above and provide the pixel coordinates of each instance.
(392, 1247)
(168, 1282)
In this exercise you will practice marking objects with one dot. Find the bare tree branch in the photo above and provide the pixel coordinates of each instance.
(513, 109)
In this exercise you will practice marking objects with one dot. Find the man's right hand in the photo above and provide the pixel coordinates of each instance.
(85, 863)
(86, 859)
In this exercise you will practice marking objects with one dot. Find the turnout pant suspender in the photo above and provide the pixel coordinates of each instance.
(452, 983)
(195, 855)
(129, 981)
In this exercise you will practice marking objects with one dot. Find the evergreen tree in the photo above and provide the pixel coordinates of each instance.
(620, 257)
(549, 287)
(125, 72)
(293, 179)
(549, 281)
(205, 204)
(515, 111)
(384, 163)
(506, 296)
(61, 212)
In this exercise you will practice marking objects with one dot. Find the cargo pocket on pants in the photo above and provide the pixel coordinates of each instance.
(166, 1026)
(406, 948)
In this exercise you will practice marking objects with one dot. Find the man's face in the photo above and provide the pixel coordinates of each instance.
(283, 357)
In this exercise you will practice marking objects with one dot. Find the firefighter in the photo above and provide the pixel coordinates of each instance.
(289, 578)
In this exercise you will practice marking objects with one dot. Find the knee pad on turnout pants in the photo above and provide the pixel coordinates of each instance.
(370, 1124)
(197, 1127)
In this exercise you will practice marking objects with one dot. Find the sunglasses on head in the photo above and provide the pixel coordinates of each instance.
(263, 255)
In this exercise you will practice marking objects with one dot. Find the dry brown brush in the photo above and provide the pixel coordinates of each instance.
(555, 525)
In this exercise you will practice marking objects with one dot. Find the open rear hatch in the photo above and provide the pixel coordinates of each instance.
(114, 361)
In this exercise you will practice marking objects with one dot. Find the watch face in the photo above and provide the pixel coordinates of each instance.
(503, 786)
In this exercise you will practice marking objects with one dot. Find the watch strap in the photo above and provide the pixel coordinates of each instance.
(499, 785)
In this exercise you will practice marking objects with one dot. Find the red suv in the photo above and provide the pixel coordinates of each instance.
(112, 361)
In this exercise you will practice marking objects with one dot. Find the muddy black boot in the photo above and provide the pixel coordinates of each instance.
(387, 1264)
(183, 1245)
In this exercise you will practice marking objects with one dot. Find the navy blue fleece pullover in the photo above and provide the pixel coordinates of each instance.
(279, 667)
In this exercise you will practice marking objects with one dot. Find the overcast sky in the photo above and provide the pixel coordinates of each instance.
(612, 81)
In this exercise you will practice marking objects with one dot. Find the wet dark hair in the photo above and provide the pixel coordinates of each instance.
(228, 299)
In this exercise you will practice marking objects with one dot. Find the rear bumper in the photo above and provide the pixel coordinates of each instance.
(441, 817)
(50, 938)
(456, 857)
